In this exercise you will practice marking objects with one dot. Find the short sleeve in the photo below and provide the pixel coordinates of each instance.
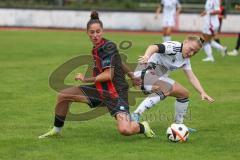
(109, 54)
(169, 48)
(106, 62)
(161, 48)
(187, 65)
(172, 48)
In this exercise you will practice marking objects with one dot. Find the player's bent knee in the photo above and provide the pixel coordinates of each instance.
(185, 94)
(64, 97)
(124, 130)
(179, 92)
(61, 96)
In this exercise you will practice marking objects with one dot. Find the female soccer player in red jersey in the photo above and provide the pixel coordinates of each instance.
(108, 88)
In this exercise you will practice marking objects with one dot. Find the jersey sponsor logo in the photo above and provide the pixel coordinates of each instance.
(122, 108)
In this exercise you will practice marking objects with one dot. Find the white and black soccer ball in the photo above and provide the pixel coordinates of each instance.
(177, 133)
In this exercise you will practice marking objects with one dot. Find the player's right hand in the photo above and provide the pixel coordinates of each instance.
(80, 77)
(204, 96)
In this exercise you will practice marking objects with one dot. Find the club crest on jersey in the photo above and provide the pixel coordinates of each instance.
(122, 108)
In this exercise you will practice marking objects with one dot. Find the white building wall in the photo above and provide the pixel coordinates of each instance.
(111, 20)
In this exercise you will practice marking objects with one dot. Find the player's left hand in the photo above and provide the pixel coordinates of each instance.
(204, 96)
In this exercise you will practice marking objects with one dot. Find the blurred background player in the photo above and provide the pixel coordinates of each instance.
(221, 17)
(154, 68)
(211, 26)
(236, 50)
(170, 10)
(109, 87)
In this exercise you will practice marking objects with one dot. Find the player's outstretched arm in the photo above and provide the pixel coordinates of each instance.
(137, 81)
(150, 51)
(106, 75)
(127, 70)
(197, 85)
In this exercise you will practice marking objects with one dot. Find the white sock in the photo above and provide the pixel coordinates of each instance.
(217, 45)
(57, 129)
(180, 110)
(166, 38)
(208, 50)
(148, 103)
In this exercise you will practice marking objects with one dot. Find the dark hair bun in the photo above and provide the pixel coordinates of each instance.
(94, 15)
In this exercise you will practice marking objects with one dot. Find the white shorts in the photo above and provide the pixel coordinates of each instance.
(150, 81)
(151, 78)
(210, 28)
(168, 22)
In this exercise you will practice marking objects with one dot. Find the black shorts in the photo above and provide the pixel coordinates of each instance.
(114, 105)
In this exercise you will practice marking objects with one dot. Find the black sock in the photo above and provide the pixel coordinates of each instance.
(142, 129)
(217, 40)
(59, 121)
(238, 42)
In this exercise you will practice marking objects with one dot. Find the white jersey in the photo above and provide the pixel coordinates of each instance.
(169, 12)
(172, 59)
(211, 21)
(169, 58)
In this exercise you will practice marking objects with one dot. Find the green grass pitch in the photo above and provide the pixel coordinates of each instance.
(28, 58)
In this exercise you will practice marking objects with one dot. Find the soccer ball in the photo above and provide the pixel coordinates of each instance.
(177, 133)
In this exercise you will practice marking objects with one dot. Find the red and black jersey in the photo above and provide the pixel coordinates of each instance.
(106, 55)
(221, 16)
(222, 13)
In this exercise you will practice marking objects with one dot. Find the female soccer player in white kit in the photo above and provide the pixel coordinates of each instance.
(156, 64)
(211, 25)
(170, 8)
